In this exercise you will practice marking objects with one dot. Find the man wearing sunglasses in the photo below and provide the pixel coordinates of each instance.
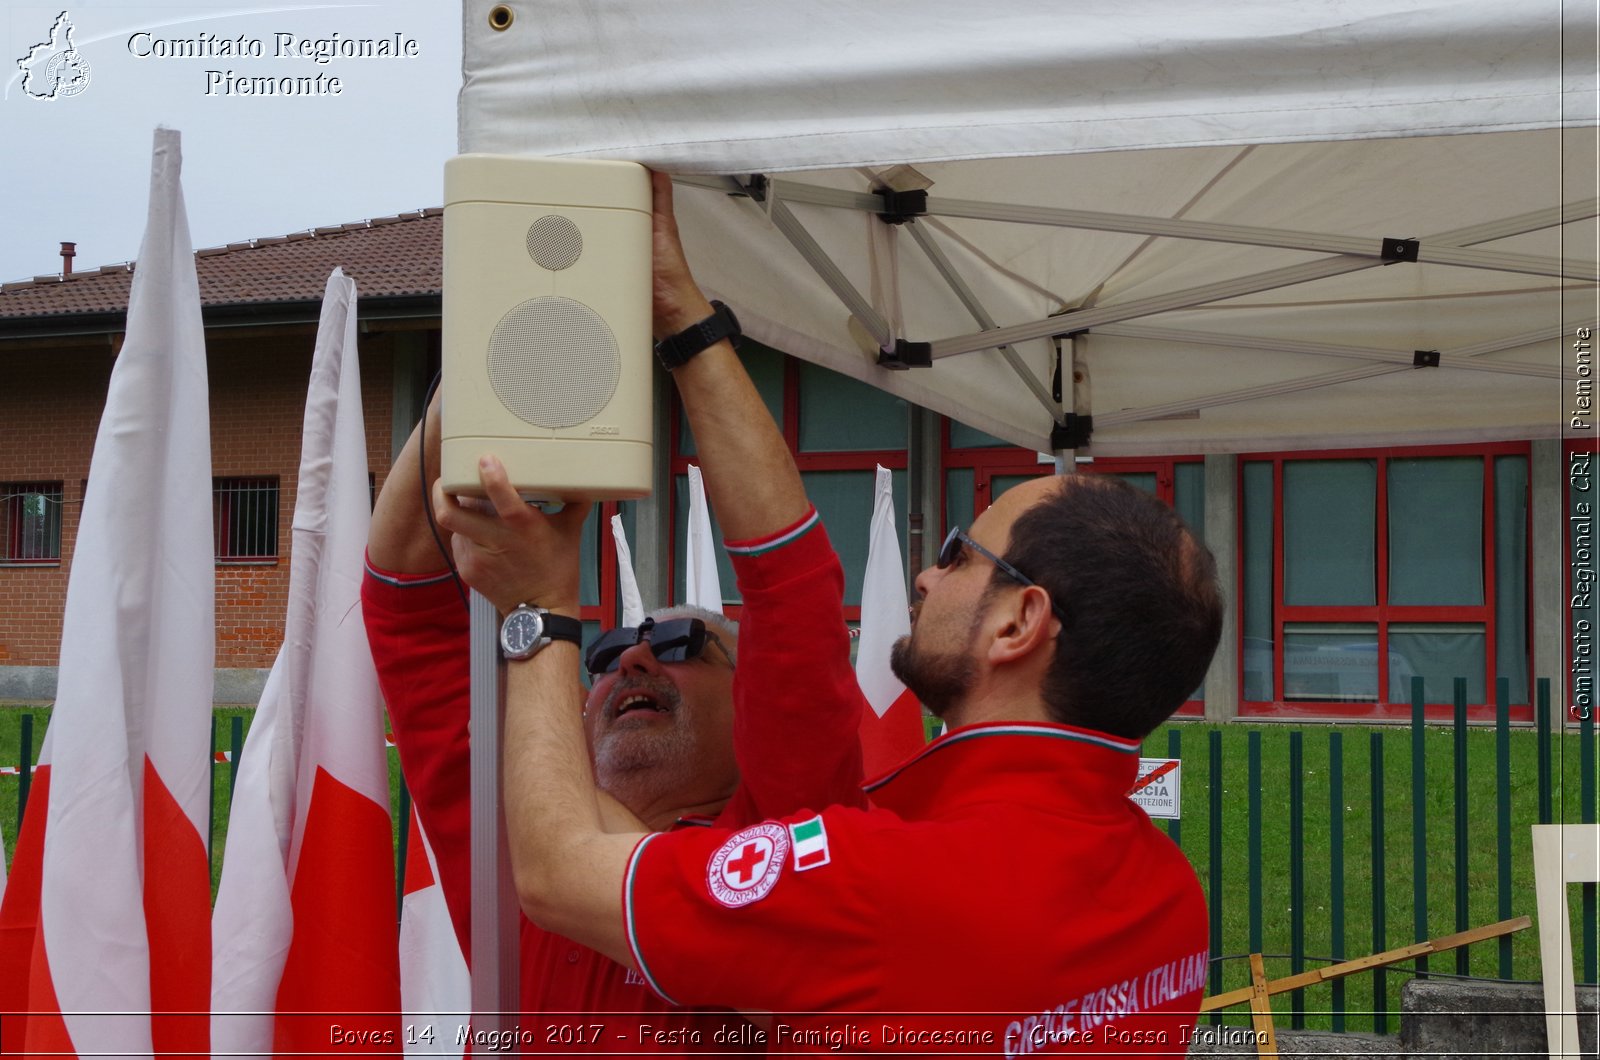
(1002, 885)
(690, 722)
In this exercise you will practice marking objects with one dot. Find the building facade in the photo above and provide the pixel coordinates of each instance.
(1349, 572)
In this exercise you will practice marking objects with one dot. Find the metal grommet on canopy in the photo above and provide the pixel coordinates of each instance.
(501, 16)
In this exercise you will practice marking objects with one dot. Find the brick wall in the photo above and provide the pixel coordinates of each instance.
(50, 410)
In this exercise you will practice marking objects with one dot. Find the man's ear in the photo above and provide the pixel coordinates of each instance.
(1027, 622)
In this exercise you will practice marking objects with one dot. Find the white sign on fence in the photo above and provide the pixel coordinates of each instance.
(1158, 788)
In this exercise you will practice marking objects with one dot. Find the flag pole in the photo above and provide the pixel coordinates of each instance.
(496, 930)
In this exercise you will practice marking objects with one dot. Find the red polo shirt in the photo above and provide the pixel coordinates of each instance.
(1002, 873)
(796, 718)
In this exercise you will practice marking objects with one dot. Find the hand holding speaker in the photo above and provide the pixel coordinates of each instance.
(676, 300)
(518, 553)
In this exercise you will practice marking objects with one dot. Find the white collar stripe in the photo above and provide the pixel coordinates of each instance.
(1114, 743)
(405, 583)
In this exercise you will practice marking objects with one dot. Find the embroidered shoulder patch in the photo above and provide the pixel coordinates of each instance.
(810, 840)
(746, 867)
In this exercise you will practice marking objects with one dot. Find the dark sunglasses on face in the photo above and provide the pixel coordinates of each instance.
(950, 551)
(672, 640)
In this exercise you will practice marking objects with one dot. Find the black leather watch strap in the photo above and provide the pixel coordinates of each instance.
(561, 627)
(677, 350)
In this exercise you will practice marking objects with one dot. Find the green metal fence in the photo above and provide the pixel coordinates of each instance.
(1332, 870)
(1351, 845)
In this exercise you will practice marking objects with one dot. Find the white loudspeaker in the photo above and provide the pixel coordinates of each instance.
(547, 346)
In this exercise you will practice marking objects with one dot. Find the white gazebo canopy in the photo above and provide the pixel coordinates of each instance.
(1241, 226)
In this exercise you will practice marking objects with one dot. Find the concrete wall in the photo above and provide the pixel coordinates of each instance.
(1547, 542)
(1448, 1020)
(1222, 537)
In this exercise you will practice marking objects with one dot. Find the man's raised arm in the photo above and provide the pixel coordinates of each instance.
(798, 706)
(568, 869)
(416, 623)
(752, 481)
(399, 540)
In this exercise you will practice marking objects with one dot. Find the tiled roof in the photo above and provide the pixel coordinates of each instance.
(388, 257)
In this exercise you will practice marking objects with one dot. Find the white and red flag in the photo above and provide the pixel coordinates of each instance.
(19, 912)
(435, 985)
(702, 583)
(627, 581)
(113, 858)
(305, 928)
(892, 731)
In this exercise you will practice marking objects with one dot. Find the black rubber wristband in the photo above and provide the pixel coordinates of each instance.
(675, 351)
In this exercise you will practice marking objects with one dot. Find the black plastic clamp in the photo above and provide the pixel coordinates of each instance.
(906, 355)
(901, 206)
(1424, 358)
(1072, 432)
(1055, 374)
(1394, 250)
(755, 188)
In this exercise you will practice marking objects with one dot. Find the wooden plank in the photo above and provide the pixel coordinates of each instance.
(1245, 993)
(1478, 934)
(1362, 964)
(1377, 960)
(1261, 1009)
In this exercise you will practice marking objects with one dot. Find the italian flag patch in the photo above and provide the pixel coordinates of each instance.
(810, 840)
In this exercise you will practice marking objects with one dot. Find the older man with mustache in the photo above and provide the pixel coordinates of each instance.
(690, 722)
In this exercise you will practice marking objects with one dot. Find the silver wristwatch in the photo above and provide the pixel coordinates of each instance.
(528, 629)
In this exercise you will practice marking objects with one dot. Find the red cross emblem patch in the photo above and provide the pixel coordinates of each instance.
(745, 868)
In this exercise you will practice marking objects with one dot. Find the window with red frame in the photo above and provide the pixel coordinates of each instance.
(244, 519)
(1363, 570)
(839, 431)
(31, 524)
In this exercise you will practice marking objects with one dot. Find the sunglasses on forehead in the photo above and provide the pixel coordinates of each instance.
(671, 640)
(950, 551)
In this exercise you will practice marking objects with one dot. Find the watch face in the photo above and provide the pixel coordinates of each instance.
(521, 633)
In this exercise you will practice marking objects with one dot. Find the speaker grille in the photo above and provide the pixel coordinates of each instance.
(554, 242)
(553, 362)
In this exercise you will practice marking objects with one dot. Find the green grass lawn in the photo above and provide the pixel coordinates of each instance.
(1274, 918)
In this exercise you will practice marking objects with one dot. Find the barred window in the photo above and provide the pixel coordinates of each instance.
(30, 522)
(244, 519)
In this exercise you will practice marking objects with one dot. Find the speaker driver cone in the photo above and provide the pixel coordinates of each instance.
(553, 362)
(554, 242)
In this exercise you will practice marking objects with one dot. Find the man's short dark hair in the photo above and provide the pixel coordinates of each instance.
(1140, 595)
